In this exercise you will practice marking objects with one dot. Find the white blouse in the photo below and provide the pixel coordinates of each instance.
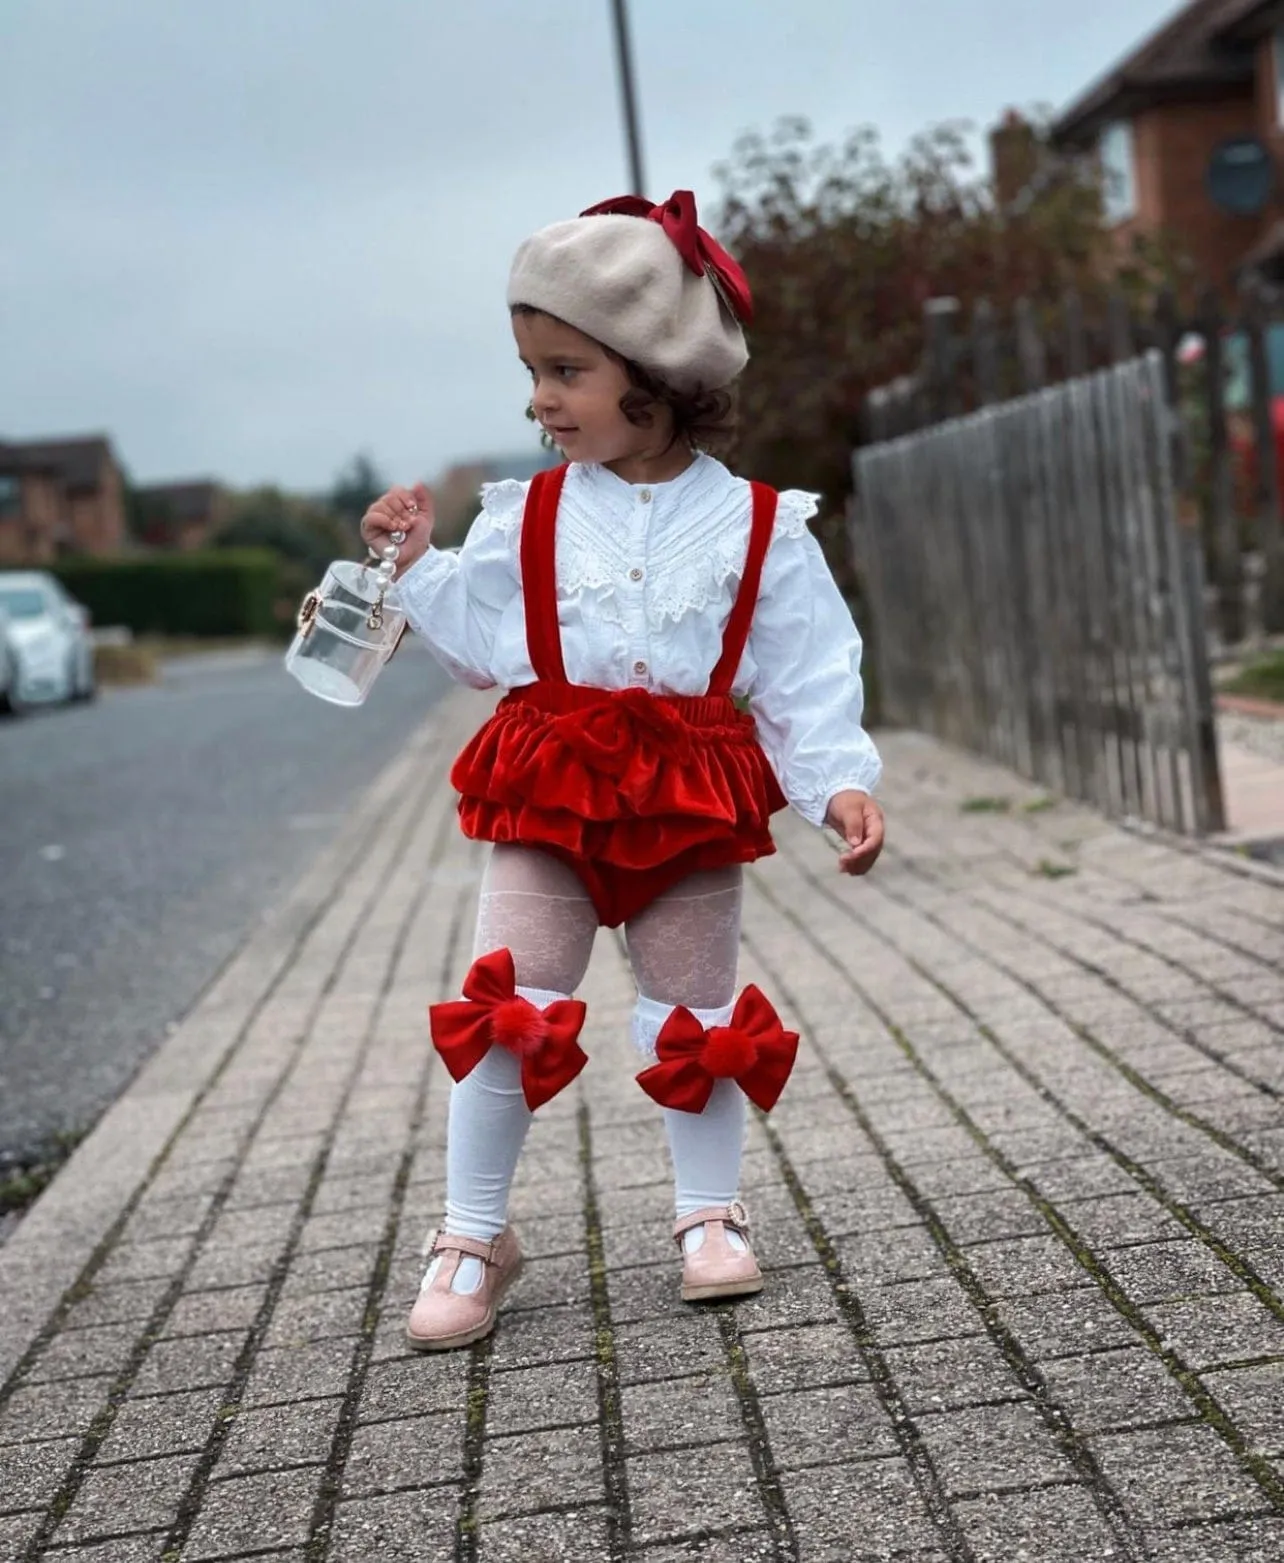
(646, 576)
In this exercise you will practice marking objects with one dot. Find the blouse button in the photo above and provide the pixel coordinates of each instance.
(635, 574)
(645, 496)
(639, 668)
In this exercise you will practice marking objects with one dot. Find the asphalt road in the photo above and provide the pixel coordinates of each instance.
(139, 839)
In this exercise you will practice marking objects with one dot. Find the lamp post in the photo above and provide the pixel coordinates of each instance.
(628, 93)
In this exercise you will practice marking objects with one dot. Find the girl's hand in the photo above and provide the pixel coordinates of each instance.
(859, 821)
(408, 510)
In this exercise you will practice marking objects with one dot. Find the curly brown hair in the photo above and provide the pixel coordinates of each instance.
(706, 420)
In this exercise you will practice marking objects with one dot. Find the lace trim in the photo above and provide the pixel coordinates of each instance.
(504, 503)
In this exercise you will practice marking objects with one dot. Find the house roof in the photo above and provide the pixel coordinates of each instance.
(192, 501)
(1206, 45)
(77, 461)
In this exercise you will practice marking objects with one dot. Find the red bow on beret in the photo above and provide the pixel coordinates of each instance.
(755, 1051)
(491, 1012)
(702, 253)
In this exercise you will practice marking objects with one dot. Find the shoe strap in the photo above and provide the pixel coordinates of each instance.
(451, 1242)
(733, 1215)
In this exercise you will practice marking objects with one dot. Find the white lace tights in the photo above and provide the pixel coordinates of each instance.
(683, 950)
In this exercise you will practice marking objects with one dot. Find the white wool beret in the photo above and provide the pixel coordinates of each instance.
(623, 281)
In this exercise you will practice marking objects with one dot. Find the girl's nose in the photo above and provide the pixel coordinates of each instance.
(544, 398)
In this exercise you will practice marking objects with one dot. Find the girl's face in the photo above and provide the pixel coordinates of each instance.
(576, 388)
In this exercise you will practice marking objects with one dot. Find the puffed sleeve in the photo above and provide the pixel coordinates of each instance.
(806, 693)
(454, 601)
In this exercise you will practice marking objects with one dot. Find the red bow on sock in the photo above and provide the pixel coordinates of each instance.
(755, 1051)
(491, 1012)
(700, 250)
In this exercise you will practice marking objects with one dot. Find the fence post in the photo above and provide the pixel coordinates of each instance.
(1223, 523)
(1270, 537)
(939, 357)
(1031, 353)
(1076, 338)
(985, 353)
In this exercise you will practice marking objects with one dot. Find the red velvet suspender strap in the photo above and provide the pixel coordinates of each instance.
(736, 633)
(539, 574)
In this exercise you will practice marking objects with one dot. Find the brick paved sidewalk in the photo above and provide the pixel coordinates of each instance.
(1021, 1210)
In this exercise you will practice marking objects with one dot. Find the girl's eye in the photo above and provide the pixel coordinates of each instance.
(565, 371)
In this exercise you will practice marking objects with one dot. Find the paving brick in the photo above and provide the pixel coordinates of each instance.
(55, 1410)
(415, 1451)
(1066, 1324)
(1159, 1272)
(144, 1548)
(116, 1499)
(190, 1362)
(578, 1536)
(744, 1546)
(816, 1426)
(568, 1472)
(526, 1399)
(307, 1372)
(673, 1412)
(1108, 1390)
(918, 1311)
(247, 1513)
(946, 1374)
(16, 1530)
(1224, 1329)
(802, 1358)
(83, 1353)
(669, 1490)
(406, 1527)
(1169, 1474)
(983, 1448)
(668, 1349)
(1050, 1525)
(875, 1500)
(208, 1312)
(160, 1425)
(116, 1303)
(1256, 1540)
(1253, 1397)
(30, 1474)
(414, 1385)
(272, 1436)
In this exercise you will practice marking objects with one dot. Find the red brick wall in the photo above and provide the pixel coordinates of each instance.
(1173, 143)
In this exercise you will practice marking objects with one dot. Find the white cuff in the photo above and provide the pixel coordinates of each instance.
(541, 998)
(649, 1016)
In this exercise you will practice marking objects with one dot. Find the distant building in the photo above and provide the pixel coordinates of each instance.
(1188, 130)
(456, 490)
(59, 496)
(180, 516)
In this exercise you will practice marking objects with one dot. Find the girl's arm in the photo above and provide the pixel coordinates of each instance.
(806, 693)
(455, 600)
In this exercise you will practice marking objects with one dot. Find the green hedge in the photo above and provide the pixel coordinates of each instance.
(229, 591)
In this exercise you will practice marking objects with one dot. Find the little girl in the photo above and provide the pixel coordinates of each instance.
(623, 600)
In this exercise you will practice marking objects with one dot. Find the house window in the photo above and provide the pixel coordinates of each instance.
(10, 496)
(1119, 183)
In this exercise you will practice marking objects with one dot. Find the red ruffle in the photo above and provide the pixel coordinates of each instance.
(619, 777)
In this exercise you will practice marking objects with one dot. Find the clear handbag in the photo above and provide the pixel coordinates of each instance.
(346, 630)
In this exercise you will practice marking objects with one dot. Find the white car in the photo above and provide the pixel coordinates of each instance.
(45, 643)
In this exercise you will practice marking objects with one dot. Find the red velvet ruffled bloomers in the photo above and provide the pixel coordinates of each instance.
(634, 790)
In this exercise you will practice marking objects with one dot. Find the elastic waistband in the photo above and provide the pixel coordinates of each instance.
(697, 710)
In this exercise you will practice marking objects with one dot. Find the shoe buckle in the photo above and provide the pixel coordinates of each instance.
(738, 1216)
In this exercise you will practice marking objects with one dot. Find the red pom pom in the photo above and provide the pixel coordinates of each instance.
(727, 1053)
(518, 1026)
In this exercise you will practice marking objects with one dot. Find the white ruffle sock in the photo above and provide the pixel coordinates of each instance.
(706, 1148)
(487, 1128)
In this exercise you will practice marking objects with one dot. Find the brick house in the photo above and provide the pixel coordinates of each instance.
(180, 516)
(59, 497)
(1204, 92)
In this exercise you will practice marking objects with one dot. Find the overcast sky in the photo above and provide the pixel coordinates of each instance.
(250, 237)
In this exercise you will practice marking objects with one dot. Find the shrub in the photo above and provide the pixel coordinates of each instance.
(214, 593)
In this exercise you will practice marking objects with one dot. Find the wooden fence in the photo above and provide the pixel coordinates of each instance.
(1035, 599)
(1224, 375)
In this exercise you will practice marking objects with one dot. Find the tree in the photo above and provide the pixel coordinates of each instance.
(355, 489)
(843, 248)
(306, 535)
